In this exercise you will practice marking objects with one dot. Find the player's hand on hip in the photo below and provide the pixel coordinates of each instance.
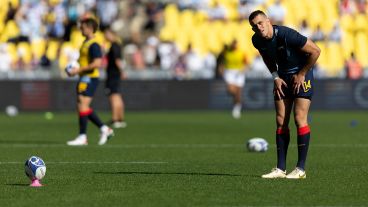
(278, 84)
(298, 80)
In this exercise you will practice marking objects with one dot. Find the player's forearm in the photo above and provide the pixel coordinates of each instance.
(312, 59)
(271, 65)
(95, 64)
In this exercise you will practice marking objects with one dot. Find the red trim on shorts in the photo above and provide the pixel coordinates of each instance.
(282, 131)
(85, 113)
(303, 130)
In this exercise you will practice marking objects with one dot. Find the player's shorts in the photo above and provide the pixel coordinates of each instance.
(87, 86)
(303, 93)
(112, 85)
(234, 77)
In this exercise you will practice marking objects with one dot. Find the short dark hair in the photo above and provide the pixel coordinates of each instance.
(90, 22)
(255, 14)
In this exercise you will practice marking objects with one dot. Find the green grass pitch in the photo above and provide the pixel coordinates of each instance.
(190, 158)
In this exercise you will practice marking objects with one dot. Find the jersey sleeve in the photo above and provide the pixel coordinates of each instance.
(295, 39)
(254, 41)
(95, 51)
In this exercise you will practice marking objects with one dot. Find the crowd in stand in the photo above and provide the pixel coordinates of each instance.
(138, 23)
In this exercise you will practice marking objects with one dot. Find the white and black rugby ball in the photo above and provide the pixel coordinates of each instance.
(257, 144)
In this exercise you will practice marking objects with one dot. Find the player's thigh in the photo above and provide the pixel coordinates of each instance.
(84, 102)
(283, 110)
(301, 109)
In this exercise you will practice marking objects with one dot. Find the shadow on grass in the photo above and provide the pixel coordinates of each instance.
(17, 184)
(168, 173)
(28, 142)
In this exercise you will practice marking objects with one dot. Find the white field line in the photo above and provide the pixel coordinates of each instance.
(90, 162)
(146, 146)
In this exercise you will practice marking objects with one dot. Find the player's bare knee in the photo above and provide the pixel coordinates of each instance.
(300, 120)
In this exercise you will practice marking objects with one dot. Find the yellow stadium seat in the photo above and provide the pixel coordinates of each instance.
(361, 22)
(12, 50)
(335, 59)
(347, 43)
(347, 22)
(52, 50)
(361, 48)
(187, 19)
(77, 38)
(322, 60)
(24, 52)
(38, 48)
(10, 31)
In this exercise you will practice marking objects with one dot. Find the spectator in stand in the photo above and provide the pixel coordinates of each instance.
(10, 14)
(150, 51)
(347, 7)
(193, 60)
(244, 9)
(180, 68)
(304, 29)
(318, 35)
(277, 12)
(154, 16)
(168, 55)
(336, 33)
(353, 68)
(55, 19)
(5, 59)
(217, 11)
(107, 10)
(362, 6)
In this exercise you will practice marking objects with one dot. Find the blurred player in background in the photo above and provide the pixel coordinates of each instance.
(290, 57)
(90, 61)
(115, 74)
(233, 68)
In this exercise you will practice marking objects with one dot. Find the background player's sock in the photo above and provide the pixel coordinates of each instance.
(282, 144)
(83, 120)
(303, 144)
(95, 119)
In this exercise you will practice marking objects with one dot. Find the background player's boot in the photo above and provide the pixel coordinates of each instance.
(119, 124)
(79, 141)
(106, 134)
(275, 173)
(297, 173)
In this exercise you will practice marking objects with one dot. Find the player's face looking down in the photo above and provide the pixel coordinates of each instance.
(85, 29)
(261, 26)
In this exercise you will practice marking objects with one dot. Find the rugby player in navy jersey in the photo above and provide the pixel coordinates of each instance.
(115, 74)
(90, 61)
(289, 56)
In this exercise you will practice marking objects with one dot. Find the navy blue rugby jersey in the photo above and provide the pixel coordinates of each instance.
(284, 48)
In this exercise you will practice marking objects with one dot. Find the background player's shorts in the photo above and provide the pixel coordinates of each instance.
(112, 85)
(87, 86)
(303, 93)
(234, 77)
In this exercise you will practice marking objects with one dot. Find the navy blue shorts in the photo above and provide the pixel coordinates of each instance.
(303, 93)
(112, 85)
(87, 86)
